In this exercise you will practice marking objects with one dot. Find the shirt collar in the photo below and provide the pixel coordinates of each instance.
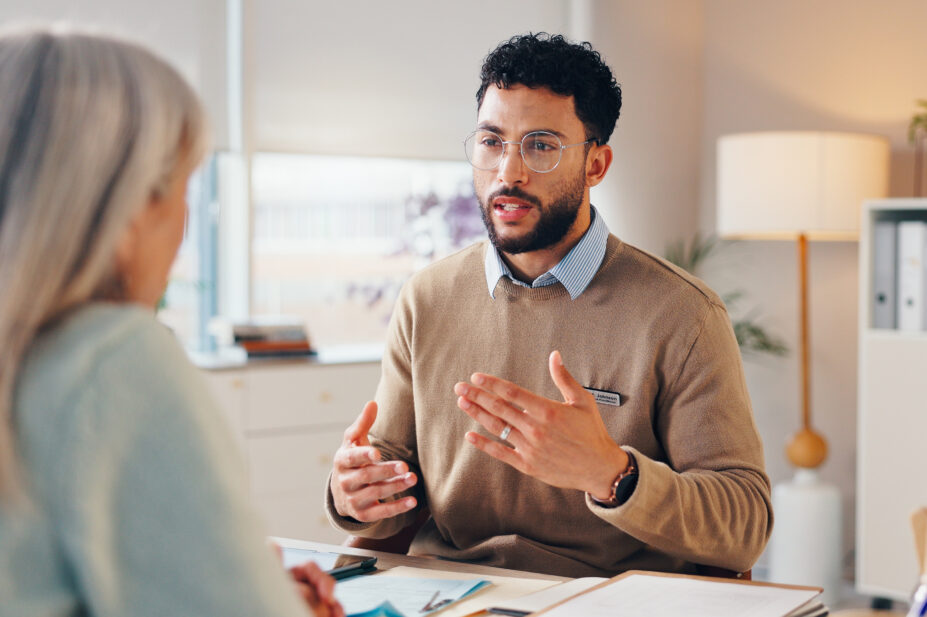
(574, 272)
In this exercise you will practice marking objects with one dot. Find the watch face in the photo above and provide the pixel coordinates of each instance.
(626, 487)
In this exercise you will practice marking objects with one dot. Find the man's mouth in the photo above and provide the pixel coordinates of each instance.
(510, 210)
(510, 204)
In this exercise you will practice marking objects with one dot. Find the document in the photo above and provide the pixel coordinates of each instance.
(647, 594)
(533, 602)
(501, 592)
(394, 596)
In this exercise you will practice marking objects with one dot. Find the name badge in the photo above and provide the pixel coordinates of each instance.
(605, 397)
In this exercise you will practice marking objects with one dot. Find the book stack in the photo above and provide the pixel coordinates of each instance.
(262, 339)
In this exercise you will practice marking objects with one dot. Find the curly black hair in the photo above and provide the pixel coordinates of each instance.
(540, 60)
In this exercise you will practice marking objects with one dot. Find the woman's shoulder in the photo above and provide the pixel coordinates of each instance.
(105, 337)
(102, 358)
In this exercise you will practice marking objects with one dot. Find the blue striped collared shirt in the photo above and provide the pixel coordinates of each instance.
(574, 271)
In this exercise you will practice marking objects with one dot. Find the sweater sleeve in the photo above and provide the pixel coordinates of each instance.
(709, 503)
(150, 495)
(393, 433)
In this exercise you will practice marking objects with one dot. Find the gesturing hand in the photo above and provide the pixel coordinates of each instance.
(563, 444)
(360, 480)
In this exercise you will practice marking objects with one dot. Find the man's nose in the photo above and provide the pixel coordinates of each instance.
(512, 168)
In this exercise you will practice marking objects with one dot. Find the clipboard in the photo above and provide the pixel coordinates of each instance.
(793, 601)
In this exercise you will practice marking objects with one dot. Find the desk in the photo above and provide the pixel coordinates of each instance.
(506, 583)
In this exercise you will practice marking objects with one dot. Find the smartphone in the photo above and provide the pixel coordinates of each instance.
(337, 565)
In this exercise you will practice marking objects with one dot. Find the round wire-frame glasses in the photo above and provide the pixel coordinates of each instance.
(541, 151)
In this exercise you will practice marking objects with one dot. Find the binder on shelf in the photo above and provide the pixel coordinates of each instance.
(912, 240)
(884, 274)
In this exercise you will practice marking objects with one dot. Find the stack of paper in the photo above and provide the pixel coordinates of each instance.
(647, 594)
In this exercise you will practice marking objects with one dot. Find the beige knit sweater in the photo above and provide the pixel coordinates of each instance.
(643, 328)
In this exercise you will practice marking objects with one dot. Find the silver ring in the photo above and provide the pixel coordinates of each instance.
(505, 432)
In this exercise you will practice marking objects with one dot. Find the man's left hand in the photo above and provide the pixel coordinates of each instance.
(564, 444)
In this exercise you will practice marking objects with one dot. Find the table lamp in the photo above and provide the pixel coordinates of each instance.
(801, 186)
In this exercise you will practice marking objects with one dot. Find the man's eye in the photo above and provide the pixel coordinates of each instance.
(490, 142)
(541, 146)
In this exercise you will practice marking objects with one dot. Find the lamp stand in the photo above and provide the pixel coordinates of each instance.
(808, 511)
(807, 448)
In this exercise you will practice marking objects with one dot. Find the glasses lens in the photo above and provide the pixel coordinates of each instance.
(484, 149)
(541, 150)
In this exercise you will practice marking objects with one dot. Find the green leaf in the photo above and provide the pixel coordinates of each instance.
(751, 337)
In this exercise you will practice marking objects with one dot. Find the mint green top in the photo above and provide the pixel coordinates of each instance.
(136, 497)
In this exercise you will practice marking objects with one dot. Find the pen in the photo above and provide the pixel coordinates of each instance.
(919, 602)
(511, 612)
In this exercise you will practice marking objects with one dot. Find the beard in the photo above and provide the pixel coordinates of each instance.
(555, 222)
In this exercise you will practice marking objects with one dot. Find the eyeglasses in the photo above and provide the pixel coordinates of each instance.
(541, 151)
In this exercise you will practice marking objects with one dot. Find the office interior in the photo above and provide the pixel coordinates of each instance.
(396, 80)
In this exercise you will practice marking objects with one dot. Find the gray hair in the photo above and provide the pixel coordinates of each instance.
(91, 128)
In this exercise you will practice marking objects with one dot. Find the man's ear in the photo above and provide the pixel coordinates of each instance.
(597, 164)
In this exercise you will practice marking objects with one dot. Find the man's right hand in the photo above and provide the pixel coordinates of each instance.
(360, 480)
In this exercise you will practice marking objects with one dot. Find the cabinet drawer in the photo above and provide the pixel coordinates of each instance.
(298, 516)
(228, 391)
(298, 462)
(300, 396)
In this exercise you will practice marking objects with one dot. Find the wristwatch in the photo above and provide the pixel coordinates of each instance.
(622, 487)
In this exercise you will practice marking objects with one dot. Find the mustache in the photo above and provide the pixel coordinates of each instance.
(515, 192)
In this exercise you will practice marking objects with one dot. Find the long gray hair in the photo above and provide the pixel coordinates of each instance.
(91, 128)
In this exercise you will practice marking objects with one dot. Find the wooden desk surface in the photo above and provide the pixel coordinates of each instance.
(385, 561)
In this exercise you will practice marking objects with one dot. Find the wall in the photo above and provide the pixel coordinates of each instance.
(830, 65)
(189, 35)
(378, 78)
(650, 196)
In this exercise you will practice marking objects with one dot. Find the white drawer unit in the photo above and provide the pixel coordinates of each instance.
(290, 418)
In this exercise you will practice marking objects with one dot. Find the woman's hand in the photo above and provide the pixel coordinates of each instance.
(318, 590)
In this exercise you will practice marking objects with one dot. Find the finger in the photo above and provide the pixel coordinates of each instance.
(479, 401)
(385, 509)
(324, 584)
(509, 392)
(496, 450)
(493, 424)
(357, 432)
(373, 492)
(572, 390)
(353, 480)
(352, 457)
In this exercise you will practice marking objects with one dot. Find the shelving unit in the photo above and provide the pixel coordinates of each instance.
(891, 430)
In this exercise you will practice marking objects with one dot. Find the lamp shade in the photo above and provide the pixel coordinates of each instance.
(779, 184)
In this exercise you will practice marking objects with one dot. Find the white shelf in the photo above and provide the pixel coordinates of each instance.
(891, 430)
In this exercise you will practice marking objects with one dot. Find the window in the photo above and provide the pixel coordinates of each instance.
(334, 237)
(190, 299)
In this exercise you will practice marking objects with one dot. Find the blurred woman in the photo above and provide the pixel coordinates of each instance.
(121, 492)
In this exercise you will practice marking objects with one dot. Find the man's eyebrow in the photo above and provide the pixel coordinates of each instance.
(486, 126)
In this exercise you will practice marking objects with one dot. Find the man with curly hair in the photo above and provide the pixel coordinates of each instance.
(644, 454)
